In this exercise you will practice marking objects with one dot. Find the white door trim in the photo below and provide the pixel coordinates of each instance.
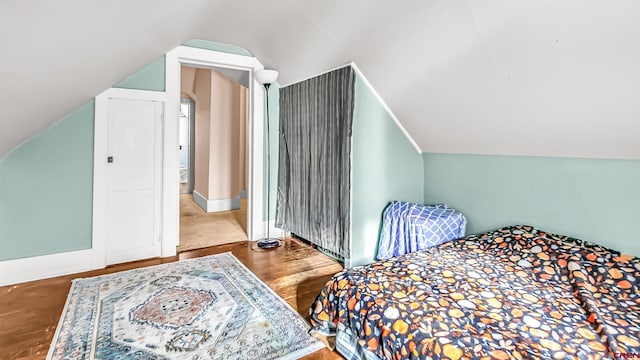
(189, 56)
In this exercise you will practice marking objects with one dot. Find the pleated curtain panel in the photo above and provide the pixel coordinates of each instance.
(314, 159)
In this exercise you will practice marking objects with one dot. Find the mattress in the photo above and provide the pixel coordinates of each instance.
(517, 292)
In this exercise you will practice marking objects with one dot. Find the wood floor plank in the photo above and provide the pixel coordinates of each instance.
(29, 312)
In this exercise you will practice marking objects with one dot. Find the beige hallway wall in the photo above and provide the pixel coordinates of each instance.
(244, 126)
(224, 161)
(202, 144)
(188, 82)
(220, 127)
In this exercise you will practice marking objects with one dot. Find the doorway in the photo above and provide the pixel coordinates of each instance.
(213, 124)
(168, 202)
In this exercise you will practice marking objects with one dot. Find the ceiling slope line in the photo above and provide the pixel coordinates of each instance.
(387, 108)
(317, 24)
(373, 91)
(44, 130)
(316, 75)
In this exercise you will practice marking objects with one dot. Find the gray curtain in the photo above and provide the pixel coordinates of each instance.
(314, 159)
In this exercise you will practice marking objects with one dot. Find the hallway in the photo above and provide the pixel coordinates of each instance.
(199, 229)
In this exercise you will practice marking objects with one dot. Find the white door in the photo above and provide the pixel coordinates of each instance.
(134, 180)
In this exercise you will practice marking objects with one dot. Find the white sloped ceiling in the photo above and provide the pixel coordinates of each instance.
(546, 78)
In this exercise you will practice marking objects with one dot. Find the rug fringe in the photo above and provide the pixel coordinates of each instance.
(283, 301)
(60, 322)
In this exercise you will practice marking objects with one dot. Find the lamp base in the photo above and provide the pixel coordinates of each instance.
(268, 243)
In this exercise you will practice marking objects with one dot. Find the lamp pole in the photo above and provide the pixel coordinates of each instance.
(266, 77)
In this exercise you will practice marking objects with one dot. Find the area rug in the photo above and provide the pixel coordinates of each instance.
(205, 308)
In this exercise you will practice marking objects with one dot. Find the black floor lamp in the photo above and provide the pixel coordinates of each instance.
(266, 77)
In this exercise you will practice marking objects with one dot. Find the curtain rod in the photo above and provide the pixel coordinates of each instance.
(350, 63)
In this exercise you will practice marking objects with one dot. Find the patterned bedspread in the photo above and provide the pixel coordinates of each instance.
(515, 293)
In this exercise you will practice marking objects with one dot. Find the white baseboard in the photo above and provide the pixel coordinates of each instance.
(45, 266)
(216, 204)
(243, 194)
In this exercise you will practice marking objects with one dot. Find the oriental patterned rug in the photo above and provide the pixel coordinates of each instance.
(206, 308)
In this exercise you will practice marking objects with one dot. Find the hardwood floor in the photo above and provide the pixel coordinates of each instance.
(29, 312)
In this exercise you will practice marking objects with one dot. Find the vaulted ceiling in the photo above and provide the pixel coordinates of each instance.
(546, 77)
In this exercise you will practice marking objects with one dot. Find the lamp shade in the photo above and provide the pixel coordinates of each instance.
(266, 76)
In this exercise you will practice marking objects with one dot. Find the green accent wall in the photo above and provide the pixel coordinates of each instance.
(591, 199)
(274, 123)
(384, 167)
(46, 190)
(150, 77)
(216, 46)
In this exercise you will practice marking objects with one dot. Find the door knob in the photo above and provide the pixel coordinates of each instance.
(109, 159)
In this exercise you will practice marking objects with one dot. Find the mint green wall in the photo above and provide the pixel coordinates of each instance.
(274, 121)
(46, 183)
(384, 167)
(46, 190)
(150, 77)
(591, 199)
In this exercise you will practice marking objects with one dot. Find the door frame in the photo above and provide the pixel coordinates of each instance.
(201, 58)
(170, 214)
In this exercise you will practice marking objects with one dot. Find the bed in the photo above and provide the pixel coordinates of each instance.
(517, 292)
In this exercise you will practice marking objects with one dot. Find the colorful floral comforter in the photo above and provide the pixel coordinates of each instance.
(515, 293)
